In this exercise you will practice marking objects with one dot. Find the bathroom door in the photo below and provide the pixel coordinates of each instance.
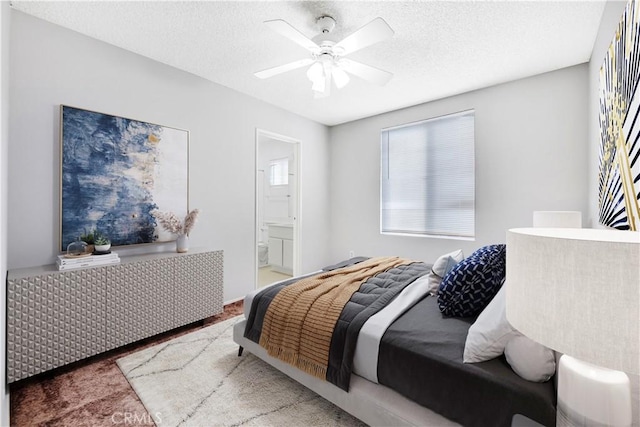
(277, 207)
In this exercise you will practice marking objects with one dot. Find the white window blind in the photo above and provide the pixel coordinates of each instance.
(428, 177)
(279, 171)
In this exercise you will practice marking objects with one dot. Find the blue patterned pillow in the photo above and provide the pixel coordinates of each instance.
(473, 282)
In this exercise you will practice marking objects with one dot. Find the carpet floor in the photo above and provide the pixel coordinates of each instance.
(199, 380)
(92, 392)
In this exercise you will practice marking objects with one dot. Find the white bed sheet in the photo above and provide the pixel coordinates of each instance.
(365, 359)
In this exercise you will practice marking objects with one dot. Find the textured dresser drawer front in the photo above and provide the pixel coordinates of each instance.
(200, 274)
(139, 302)
(55, 318)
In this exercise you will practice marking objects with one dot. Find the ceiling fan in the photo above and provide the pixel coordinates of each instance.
(327, 61)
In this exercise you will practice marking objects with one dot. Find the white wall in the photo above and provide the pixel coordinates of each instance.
(531, 154)
(4, 142)
(51, 65)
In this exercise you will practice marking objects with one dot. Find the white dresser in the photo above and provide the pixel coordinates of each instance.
(58, 317)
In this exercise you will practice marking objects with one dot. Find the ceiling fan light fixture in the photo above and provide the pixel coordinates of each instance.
(339, 77)
(319, 85)
(315, 72)
(317, 75)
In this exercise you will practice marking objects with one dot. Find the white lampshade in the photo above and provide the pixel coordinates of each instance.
(560, 219)
(577, 291)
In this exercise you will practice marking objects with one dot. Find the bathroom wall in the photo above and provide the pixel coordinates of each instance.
(276, 203)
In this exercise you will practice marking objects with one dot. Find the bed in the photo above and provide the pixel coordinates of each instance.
(395, 358)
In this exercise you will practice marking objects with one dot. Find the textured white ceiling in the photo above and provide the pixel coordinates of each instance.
(439, 48)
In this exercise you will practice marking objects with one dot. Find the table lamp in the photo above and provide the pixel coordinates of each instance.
(557, 219)
(577, 291)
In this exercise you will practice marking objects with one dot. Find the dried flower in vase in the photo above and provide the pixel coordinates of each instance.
(170, 222)
(190, 221)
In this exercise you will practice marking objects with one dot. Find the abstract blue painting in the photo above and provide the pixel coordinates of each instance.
(115, 171)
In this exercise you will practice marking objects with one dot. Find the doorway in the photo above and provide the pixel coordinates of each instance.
(277, 208)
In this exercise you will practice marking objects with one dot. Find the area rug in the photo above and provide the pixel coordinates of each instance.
(199, 380)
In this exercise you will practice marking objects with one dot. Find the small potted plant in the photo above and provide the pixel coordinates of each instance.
(101, 243)
(89, 239)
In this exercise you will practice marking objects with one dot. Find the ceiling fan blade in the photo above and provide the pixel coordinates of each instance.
(285, 29)
(373, 32)
(365, 72)
(269, 72)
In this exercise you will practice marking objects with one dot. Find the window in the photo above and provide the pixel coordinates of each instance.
(279, 171)
(428, 179)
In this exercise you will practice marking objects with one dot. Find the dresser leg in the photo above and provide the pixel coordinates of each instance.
(240, 351)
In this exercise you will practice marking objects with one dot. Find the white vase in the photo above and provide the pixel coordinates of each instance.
(182, 243)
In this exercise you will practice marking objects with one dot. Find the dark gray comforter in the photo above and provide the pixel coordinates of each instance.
(373, 295)
(421, 358)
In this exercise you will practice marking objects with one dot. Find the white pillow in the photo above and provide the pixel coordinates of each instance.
(529, 359)
(489, 334)
(441, 267)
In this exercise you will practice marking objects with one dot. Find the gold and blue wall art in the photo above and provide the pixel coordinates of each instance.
(114, 172)
(619, 179)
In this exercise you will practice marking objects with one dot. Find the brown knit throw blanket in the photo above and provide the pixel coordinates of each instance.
(299, 322)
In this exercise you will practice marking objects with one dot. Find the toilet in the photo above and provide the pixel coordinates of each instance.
(263, 254)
